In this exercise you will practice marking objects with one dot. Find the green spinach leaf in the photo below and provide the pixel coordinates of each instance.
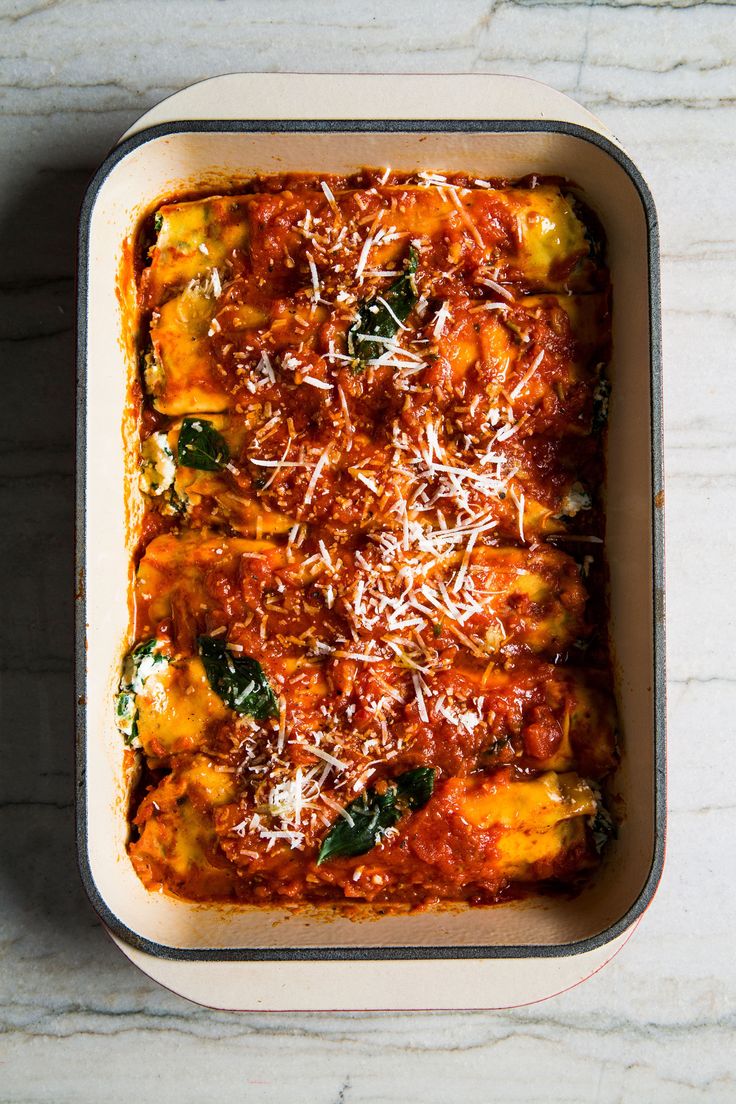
(126, 715)
(603, 828)
(238, 680)
(592, 228)
(601, 397)
(378, 318)
(201, 446)
(141, 662)
(415, 787)
(373, 813)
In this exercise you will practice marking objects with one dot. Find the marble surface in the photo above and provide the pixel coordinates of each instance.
(78, 1022)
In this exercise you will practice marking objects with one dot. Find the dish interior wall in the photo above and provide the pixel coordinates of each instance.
(192, 160)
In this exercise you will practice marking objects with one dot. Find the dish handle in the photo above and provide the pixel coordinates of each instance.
(355, 96)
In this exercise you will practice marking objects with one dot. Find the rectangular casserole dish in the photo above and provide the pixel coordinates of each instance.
(200, 153)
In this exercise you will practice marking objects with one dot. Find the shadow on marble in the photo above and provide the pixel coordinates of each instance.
(38, 224)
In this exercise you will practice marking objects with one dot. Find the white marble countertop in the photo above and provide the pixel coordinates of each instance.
(79, 1023)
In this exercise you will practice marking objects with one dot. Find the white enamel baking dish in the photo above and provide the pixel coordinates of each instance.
(232, 127)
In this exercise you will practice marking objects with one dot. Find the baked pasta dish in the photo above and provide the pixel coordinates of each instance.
(369, 654)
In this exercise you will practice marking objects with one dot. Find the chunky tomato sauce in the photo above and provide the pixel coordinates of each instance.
(370, 657)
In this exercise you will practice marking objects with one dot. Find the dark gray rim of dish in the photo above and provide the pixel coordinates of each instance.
(336, 953)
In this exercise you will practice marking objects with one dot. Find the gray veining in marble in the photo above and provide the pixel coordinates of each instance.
(78, 1023)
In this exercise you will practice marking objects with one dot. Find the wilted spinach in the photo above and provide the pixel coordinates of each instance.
(601, 397)
(603, 828)
(141, 662)
(238, 680)
(201, 446)
(373, 813)
(378, 319)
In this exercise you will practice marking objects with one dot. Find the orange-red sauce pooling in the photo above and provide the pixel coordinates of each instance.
(371, 653)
